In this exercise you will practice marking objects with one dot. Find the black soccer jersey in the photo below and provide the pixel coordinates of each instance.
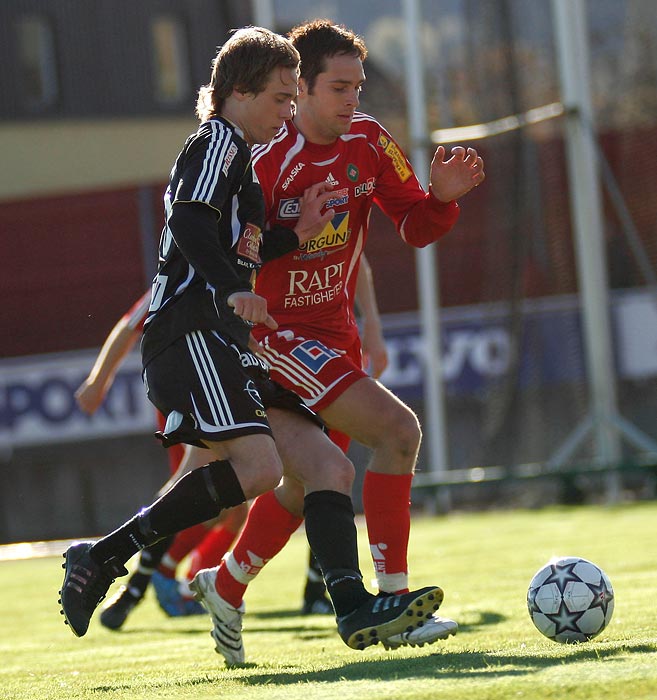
(214, 168)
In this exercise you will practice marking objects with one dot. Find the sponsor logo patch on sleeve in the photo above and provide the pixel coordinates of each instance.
(232, 152)
(248, 245)
(393, 152)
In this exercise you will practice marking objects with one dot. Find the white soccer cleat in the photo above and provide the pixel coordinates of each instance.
(227, 629)
(435, 627)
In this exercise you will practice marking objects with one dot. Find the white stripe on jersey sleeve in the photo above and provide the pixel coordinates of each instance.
(235, 225)
(214, 158)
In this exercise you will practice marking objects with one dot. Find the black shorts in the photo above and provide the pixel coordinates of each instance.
(211, 390)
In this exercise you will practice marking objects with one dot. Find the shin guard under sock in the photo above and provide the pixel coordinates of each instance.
(197, 497)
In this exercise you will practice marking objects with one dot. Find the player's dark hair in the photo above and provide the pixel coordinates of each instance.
(244, 63)
(321, 39)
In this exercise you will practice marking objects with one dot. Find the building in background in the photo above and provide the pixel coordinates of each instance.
(97, 98)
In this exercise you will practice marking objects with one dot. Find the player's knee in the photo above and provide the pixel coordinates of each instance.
(272, 475)
(266, 477)
(400, 431)
(344, 473)
(334, 474)
(410, 433)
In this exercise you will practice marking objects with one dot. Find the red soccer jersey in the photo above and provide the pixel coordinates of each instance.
(310, 290)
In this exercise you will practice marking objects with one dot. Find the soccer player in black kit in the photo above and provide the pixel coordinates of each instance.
(201, 371)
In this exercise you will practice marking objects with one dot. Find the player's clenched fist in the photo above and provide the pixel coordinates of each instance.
(252, 308)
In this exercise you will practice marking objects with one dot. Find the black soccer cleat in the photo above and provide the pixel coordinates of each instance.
(118, 608)
(85, 585)
(379, 618)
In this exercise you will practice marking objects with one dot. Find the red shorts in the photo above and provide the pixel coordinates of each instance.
(317, 373)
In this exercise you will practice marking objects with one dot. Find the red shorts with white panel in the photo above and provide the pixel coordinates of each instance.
(314, 371)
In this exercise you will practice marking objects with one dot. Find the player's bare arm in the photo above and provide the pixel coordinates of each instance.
(90, 394)
(312, 220)
(456, 176)
(375, 353)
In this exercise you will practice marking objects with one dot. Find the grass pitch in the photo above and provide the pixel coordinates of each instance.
(483, 561)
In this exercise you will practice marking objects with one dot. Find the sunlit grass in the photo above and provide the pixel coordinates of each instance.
(483, 561)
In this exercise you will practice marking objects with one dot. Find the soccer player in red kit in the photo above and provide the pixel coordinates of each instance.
(316, 350)
(207, 542)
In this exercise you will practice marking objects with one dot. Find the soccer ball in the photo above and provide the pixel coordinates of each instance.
(570, 600)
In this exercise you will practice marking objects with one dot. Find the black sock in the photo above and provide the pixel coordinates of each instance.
(149, 560)
(198, 496)
(331, 533)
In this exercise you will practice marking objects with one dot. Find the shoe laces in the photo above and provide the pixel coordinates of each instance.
(98, 581)
(95, 585)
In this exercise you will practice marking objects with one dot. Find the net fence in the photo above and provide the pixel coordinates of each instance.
(513, 360)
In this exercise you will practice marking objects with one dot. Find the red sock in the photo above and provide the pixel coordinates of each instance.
(210, 550)
(267, 530)
(181, 546)
(387, 506)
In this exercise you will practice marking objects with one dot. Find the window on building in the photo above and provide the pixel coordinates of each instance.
(36, 49)
(171, 60)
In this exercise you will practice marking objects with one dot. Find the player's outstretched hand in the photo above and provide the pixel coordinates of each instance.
(456, 176)
(311, 220)
(89, 396)
(251, 307)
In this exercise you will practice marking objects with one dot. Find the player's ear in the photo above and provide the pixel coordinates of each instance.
(240, 95)
(303, 87)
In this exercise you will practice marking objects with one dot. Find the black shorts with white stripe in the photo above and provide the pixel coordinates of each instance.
(211, 390)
